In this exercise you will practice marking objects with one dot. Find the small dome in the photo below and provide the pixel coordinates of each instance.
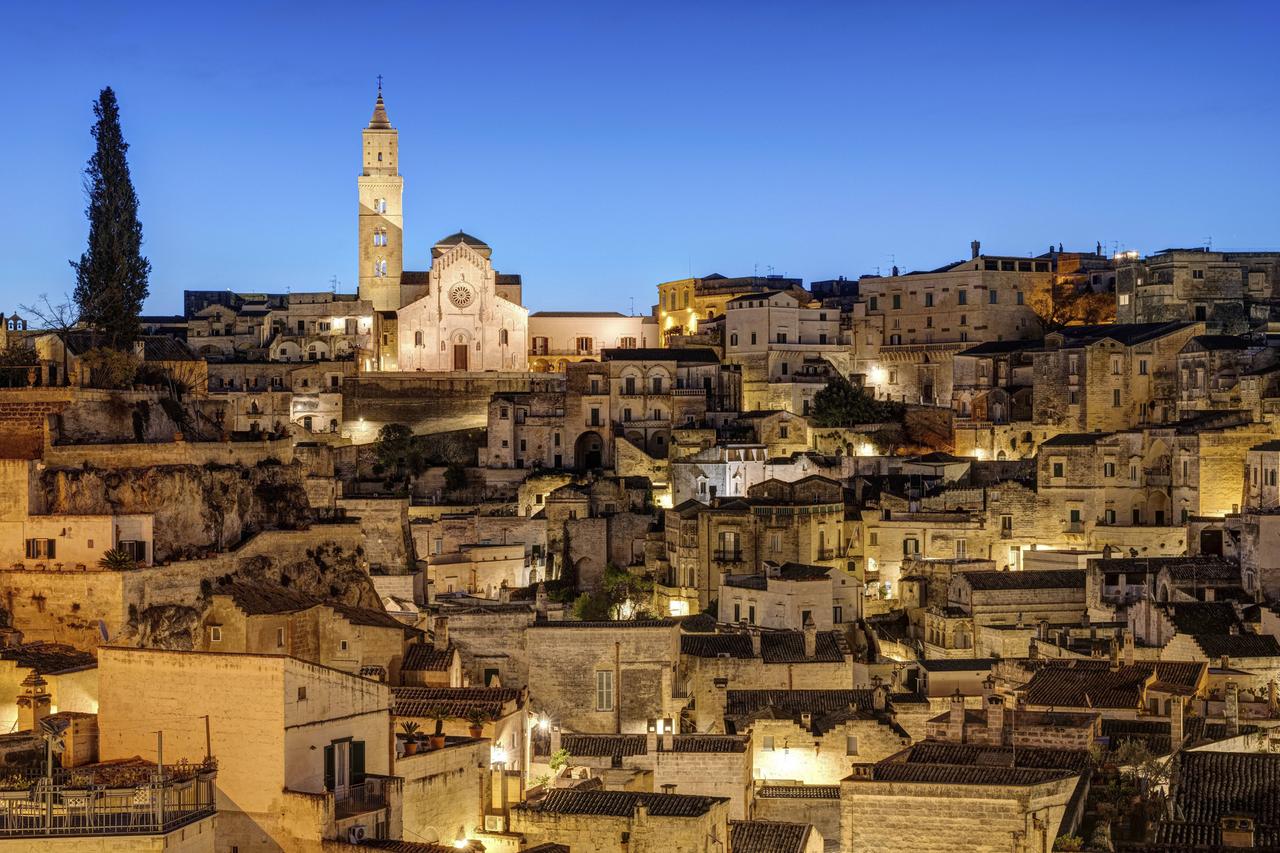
(452, 240)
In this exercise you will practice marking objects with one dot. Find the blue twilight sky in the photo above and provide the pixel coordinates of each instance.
(603, 147)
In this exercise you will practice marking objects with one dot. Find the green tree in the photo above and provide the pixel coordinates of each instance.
(842, 404)
(622, 595)
(111, 275)
(398, 454)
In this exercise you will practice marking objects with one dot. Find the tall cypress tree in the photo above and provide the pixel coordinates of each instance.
(111, 277)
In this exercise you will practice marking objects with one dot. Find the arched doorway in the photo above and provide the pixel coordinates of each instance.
(588, 450)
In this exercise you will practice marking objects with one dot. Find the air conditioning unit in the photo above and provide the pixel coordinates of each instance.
(355, 834)
(494, 823)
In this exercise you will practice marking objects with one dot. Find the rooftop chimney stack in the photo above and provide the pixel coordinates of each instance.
(955, 718)
(976, 248)
(810, 638)
(995, 720)
(440, 634)
(1232, 709)
(1177, 731)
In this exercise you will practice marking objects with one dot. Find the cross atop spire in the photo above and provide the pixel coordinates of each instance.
(379, 84)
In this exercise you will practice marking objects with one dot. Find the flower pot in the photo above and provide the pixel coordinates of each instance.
(411, 747)
(436, 741)
(476, 731)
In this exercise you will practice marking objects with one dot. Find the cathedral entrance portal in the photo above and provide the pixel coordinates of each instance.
(460, 356)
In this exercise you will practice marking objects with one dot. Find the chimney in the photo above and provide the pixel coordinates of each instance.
(1271, 695)
(33, 702)
(810, 638)
(1224, 662)
(1043, 630)
(440, 635)
(540, 603)
(556, 737)
(668, 788)
(1129, 650)
(1177, 731)
(641, 813)
(976, 248)
(1115, 654)
(668, 741)
(879, 697)
(895, 270)
(955, 719)
(504, 593)
(1232, 709)
(995, 720)
(755, 644)
(1237, 830)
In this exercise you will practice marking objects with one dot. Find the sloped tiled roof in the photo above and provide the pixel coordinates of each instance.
(1238, 645)
(1211, 785)
(799, 792)
(1202, 617)
(425, 657)
(740, 702)
(257, 599)
(49, 658)
(767, 836)
(775, 646)
(620, 803)
(603, 746)
(1079, 683)
(1035, 579)
(456, 702)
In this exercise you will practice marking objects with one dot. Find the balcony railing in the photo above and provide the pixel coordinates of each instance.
(106, 800)
(725, 556)
(367, 796)
(825, 554)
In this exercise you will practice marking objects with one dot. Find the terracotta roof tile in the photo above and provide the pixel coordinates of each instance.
(767, 836)
(620, 803)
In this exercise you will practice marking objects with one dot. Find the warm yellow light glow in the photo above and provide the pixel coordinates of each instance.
(678, 608)
(544, 724)
(461, 843)
(979, 453)
(498, 756)
(866, 449)
(662, 500)
(877, 375)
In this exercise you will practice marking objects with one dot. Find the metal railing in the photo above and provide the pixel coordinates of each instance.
(106, 800)
(367, 796)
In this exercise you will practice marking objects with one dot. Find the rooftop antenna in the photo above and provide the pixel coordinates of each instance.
(633, 306)
(333, 284)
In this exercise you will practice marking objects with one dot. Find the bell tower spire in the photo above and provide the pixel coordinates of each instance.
(381, 220)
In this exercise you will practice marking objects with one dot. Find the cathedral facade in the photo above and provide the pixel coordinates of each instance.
(459, 315)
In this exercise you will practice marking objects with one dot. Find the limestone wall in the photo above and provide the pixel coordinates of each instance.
(444, 791)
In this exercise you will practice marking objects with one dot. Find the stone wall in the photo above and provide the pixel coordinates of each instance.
(938, 818)
(426, 405)
(563, 667)
(444, 791)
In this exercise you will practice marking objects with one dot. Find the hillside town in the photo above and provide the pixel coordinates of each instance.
(977, 558)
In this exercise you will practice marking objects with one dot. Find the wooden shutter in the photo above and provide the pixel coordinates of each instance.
(357, 762)
(328, 768)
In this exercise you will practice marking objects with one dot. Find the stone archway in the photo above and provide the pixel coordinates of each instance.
(588, 451)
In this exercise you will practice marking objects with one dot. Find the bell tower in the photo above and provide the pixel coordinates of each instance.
(381, 252)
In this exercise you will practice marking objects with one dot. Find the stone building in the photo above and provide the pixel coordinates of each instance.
(638, 396)
(500, 713)
(938, 798)
(1210, 368)
(597, 821)
(224, 326)
(711, 765)
(1117, 689)
(305, 761)
(1000, 723)
(560, 338)
(1221, 288)
(600, 677)
(685, 303)
(779, 338)
(1091, 378)
(907, 329)
(491, 635)
(778, 522)
(248, 618)
(444, 793)
(711, 665)
(814, 736)
(789, 595)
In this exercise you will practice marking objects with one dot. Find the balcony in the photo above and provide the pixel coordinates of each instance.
(1073, 527)
(114, 799)
(825, 554)
(367, 796)
(724, 556)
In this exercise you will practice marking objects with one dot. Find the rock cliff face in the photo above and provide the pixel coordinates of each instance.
(196, 508)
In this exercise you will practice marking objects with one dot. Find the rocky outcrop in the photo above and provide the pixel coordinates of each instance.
(196, 508)
(328, 572)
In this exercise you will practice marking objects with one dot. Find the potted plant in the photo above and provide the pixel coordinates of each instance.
(477, 717)
(410, 730)
(437, 713)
